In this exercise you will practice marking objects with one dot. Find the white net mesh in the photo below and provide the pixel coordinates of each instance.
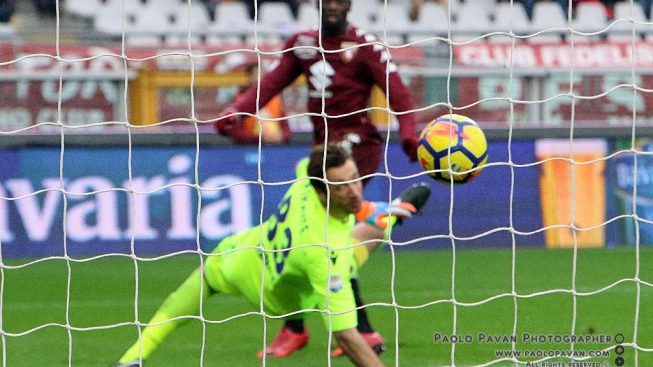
(115, 187)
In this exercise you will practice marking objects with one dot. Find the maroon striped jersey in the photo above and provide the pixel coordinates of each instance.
(340, 80)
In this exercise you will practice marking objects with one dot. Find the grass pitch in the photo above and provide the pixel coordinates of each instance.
(101, 306)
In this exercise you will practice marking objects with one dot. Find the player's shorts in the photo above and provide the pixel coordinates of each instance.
(366, 149)
(233, 269)
(236, 269)
(368, 158)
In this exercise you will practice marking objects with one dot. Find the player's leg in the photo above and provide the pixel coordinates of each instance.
(367, 152)
(185, 301)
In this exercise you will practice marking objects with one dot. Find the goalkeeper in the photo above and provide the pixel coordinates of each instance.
(307, 259)
(340, 82)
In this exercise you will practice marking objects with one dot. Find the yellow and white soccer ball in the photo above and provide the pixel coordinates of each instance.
(452, 148)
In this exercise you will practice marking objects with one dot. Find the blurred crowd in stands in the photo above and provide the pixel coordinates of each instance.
(415, 5)
(413, 9)
(607, 4)
(529, 5)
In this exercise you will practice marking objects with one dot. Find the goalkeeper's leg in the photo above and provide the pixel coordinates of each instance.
(185, 301)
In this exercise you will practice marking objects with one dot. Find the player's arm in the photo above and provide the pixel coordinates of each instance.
(271, 131)
(383, 68)
(329, 271)
(271, 84)
(356, 348)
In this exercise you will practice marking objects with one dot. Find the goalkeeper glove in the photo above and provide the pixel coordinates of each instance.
(377, 213)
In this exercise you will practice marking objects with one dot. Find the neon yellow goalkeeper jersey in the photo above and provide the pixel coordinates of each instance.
(306, 265)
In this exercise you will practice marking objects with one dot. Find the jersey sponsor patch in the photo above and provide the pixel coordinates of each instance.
(335, 283)
(349, 51)
(304, 48)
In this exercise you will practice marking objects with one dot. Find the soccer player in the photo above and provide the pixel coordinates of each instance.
(307, 258)
(339, 81)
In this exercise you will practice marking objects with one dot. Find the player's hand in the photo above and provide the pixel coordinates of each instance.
(375, 213)
(409, 145)
(227, 122)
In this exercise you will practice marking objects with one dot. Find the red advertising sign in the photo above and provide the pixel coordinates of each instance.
(594, 55)
(80, 86)
(549, 81)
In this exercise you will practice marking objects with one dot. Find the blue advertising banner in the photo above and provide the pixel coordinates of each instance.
(481, 210)
(630, 181)
(153, 201)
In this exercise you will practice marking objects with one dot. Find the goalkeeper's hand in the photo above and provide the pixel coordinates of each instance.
(228, 122)
(377, 212)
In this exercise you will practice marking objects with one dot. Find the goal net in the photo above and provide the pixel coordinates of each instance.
(114, 185)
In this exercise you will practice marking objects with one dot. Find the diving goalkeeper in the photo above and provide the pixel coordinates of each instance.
(341, 64)
(305, 255)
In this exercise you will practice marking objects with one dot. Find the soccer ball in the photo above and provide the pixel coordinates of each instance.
(452, 148)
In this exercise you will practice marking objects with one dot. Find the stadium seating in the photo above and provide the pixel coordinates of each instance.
(308, 16)
(550, 20)
(93, 8)
(472, 21)
(231, 20)
(276, 17)
(150, 23)
(109, 19)
(590, 18)
(626, 9)
(395, 21)
(180, 18)
(275, 21)
(6, 31)
(433, 21)
(623, 12)
(84, 8)
(364, 12)
(485, 6)
(165, 21)
(509, 17)
(171, 4)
